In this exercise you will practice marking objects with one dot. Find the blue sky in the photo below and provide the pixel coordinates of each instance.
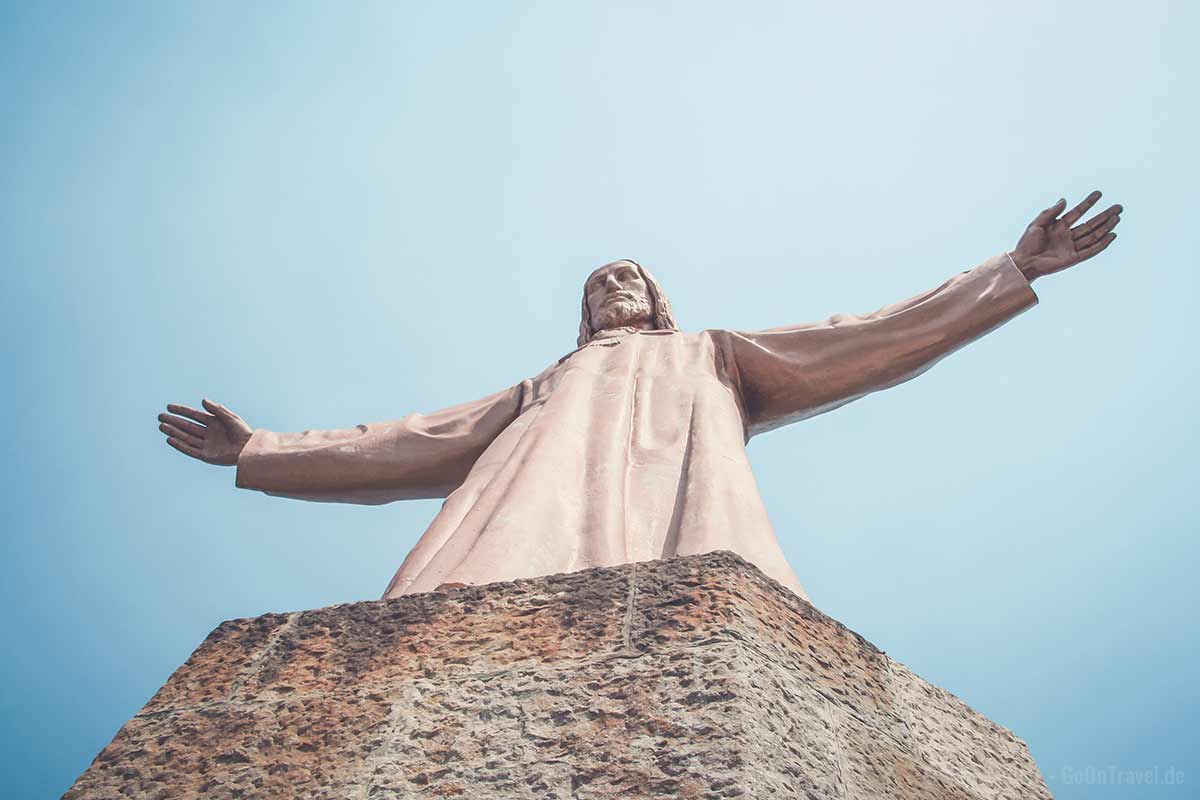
(327, 214)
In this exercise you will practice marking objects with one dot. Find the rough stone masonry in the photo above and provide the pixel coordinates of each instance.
(694, 677)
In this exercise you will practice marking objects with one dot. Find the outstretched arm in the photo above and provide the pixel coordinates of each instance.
(786, 374)
(419, 456)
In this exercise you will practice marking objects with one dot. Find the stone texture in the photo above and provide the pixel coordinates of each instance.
(695, 677)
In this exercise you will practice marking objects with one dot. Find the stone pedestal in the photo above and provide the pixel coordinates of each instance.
(696, 677)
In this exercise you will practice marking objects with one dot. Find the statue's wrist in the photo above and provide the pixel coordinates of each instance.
(238, 449)
(1023, 266)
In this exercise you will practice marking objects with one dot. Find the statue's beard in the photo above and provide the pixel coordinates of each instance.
(622, 313)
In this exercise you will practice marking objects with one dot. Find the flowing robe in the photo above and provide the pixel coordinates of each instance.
(630, 448)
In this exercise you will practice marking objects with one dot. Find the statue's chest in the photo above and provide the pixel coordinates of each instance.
(625, 359)
(653, 373)
(646, 393)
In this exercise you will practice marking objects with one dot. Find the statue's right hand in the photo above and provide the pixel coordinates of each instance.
(216, 438)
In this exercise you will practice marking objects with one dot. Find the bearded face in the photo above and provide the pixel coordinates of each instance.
(617, 297)
(620, 312)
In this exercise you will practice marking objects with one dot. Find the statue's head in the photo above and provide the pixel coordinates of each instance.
(623, 294)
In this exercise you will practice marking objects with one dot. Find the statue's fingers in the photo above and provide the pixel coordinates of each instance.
(1087, 227)
(184, 448)
(220, 410)
(1095, 249)
(1096, 235)
(1050, 213)
(191, 413)
(1078, 211)
(183, 425)
(174, 433)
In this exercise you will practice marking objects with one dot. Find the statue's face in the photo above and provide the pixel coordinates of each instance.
(617, 296)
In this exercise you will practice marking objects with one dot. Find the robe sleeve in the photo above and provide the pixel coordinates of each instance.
(419, 456)
(787, 374)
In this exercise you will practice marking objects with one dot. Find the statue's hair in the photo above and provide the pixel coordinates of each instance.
(660, 307)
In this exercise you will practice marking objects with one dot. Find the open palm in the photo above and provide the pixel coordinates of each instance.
(215, 438)
(1050, 243)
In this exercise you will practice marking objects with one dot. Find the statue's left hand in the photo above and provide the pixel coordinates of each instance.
(1051, 244)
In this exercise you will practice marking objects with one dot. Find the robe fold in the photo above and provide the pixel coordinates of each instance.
(630, 448)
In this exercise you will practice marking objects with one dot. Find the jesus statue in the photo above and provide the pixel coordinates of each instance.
(632, 446)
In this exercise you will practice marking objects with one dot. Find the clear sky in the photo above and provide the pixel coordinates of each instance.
(325, 214)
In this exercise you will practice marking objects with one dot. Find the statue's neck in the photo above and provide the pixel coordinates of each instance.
(621, 330)
(617, 330)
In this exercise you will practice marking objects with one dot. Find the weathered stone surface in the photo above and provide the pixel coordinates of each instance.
(694, 677)
(225, 659)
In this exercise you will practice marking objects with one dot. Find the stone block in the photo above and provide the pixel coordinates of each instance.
(694, 677)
